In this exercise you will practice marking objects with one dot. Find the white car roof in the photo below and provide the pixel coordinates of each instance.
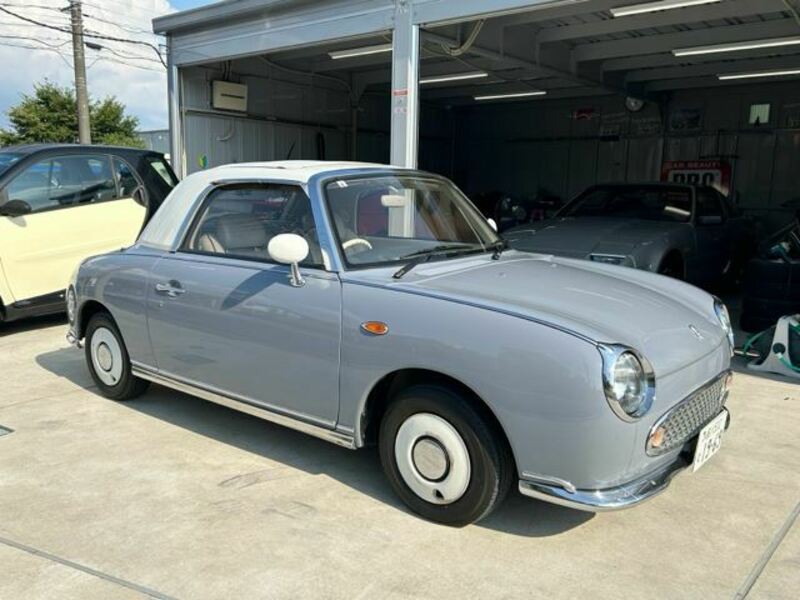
(164, 228)
(299, 171)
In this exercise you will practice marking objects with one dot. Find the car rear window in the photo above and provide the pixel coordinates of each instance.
(162, 168)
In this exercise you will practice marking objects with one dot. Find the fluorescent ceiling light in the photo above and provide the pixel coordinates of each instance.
(517, 95)
(364, 51)
(783, 73)
(648, 7)
(454, 77)
(737, 46)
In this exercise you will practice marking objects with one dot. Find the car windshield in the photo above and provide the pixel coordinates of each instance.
(7, 159)
(633, 202)
(390, 219)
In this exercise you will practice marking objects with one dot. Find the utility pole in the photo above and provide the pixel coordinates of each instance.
(79, 60)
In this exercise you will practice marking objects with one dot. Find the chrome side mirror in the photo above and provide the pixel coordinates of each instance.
(289, 249)
(492, 223)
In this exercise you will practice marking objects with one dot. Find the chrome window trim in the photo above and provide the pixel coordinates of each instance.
(610, 353)
(243, 405)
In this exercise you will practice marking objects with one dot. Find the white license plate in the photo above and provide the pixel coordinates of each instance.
(709, 440)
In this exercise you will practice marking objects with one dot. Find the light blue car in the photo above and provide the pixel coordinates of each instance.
(367, 304)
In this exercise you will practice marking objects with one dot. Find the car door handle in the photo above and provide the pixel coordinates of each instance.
(172, 289)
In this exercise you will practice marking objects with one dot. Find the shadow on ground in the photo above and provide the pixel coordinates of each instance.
(358, 470)
(32, 324)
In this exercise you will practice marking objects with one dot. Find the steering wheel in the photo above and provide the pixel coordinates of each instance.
(355, 242)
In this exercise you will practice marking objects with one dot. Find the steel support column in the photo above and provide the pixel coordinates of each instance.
(405, 87)
(175, 121)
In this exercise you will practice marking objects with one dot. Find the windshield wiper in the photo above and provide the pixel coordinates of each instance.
(423, 256)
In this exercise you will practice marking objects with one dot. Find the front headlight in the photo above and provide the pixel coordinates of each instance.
(724, 320)
(628, 381)
(72, 304)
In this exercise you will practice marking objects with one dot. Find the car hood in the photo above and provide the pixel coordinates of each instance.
(580, 237)
(597, 302)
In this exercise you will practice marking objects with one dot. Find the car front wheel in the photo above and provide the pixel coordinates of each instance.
(443, 458)
(108, 360)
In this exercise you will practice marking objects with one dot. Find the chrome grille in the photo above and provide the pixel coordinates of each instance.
(686, 419)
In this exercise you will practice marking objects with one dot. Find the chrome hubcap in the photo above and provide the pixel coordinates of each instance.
(430, 459)
(106, 355)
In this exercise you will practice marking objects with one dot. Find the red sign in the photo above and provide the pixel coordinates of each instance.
(714, 173)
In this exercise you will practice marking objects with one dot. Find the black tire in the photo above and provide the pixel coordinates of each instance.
(491, 463)
(127, 386)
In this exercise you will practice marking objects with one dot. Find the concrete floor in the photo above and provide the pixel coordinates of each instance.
(172, 497)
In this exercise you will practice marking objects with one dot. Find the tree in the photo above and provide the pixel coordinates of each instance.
(50, 115)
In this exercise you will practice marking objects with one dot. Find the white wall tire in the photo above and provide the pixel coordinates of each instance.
(108, 360)
(432, 458)
(444, 457)
(106, 356)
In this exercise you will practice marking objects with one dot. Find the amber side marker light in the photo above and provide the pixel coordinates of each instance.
(375, 327)
(657, 438)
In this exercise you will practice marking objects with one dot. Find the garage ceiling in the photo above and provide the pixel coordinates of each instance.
(573, 49)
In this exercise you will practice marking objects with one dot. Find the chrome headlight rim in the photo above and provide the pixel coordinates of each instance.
(72, 304)
(611, 353)
(724, 318)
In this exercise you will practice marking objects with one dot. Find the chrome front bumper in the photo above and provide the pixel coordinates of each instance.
(616, 498)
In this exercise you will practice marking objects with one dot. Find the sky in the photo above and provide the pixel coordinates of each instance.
(132, 72)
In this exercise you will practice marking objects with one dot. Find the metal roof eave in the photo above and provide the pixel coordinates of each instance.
(223, 10)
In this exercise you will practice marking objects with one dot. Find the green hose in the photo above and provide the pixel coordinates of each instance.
(752, 340)
(785, 360)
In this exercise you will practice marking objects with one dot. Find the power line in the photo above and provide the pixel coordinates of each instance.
(128, 56)
(91, 35)
(40, 40)
(47, 48)
(123, 27)
(150, 13)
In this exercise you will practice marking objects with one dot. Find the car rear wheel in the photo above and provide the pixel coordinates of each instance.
(108, 360)
(443, 459)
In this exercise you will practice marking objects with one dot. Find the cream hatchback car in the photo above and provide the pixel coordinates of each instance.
(60, 204)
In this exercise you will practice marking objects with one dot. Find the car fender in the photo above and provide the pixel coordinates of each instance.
(542, 384)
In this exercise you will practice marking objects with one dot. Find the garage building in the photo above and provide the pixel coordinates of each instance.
(525, 97)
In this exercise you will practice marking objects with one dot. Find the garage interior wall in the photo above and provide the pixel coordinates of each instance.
(564, 146)
(555, 146)
(296, 116)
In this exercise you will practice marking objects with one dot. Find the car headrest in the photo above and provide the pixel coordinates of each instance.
(240, 231)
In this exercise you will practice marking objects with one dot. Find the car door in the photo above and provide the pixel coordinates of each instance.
(75, 211)
(712, 235)
(223, 316)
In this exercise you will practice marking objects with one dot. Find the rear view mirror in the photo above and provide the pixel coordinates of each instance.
(710, 220)
(289, 249)
(15, 208)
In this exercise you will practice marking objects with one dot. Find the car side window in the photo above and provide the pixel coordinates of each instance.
(63, 182)
(240, 220)
(126, 180)
(709, 206)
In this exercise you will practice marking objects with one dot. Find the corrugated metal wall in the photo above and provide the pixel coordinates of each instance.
(565, 146)
(287, 117)
(560, 147)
